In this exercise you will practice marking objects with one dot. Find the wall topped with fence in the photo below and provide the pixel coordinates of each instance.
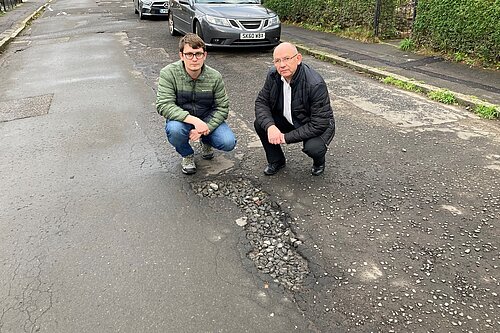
(383, 18)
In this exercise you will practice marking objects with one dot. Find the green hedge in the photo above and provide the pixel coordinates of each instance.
(471, 27)
(461, 27)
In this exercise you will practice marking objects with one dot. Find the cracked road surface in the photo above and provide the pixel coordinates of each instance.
(100, 232)
(96, 234)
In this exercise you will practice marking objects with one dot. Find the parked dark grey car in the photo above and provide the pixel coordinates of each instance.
(226, 23)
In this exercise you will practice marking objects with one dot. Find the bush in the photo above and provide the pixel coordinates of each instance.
(466, 27)
(407, 44)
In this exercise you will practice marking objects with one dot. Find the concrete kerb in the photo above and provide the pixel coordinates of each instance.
(12, 33)
(469, 102)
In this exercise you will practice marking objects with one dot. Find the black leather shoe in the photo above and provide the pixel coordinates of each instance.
(317, 170)
(272, 168)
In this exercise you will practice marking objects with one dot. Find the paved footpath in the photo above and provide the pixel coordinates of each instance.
(15, 20)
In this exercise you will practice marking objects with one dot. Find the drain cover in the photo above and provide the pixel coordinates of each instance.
(25, 107)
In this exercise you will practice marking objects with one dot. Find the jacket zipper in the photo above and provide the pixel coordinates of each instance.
(193, 97)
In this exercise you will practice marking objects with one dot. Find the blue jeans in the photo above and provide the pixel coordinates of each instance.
(221, 138)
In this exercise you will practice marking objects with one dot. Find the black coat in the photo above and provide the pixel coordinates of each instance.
(311, 110)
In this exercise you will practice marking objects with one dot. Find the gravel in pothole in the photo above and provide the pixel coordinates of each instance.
(273, 243)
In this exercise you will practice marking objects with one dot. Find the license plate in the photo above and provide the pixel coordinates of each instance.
(163, 11)
(252, 35)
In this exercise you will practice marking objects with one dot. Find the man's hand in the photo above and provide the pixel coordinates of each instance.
(199, 125)
(275, 136)
(194, 135)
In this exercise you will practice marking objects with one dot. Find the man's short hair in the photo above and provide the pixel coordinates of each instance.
(192, 40)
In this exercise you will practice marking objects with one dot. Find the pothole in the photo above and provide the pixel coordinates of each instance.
(274, 246)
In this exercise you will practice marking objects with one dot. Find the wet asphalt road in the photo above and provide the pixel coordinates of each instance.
(401, 232)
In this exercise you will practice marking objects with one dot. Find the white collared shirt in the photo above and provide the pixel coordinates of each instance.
(287, 100)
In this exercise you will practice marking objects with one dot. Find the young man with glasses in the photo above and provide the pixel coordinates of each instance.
(293, 106)
(192, 97)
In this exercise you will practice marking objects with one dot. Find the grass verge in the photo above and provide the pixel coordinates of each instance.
(446, 97)
(488, 112)
(402, 84)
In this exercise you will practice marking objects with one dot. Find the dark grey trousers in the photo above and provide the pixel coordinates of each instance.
(315, 148)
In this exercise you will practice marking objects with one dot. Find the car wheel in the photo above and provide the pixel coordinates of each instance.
(197, 30)
(171, 26)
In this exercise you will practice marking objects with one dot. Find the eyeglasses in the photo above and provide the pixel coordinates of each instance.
(190, 55)
(284, 60)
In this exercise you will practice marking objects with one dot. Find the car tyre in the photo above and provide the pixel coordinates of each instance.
(197, 30)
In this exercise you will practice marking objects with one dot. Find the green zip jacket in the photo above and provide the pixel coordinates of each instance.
(179, 95)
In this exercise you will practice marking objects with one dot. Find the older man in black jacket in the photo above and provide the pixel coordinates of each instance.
(293, 106)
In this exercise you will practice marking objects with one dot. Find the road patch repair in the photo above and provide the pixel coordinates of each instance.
(25, 107)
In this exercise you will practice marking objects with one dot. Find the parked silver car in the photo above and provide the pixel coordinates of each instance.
(226, 23)
(151, 8)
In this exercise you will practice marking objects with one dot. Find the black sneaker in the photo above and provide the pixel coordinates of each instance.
(317, 170)
(273, 168)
